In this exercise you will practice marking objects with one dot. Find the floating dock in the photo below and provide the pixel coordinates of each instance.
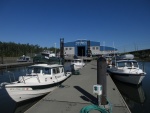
(69, 58)
(77, 92)
(12, 65)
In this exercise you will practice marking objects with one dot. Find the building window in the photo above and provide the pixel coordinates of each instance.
(96, 48)
(93, 48)
(70, 48)
(66, 48)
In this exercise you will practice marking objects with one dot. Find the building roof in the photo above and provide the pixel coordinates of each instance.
(71, 44)
(105, 48)
(92, 43)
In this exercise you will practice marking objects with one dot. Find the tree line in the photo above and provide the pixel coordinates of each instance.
(11, 49)
(141, 54)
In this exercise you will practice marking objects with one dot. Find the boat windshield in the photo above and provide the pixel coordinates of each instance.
(46, 70)
(129, 64)
(121, 64)
(135, 64)
(29, 70)
(57, 70)
(77, 61)
(38, 69)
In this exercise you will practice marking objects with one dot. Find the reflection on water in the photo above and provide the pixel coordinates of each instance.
(137, 98)
(21, 107)
(133, 95)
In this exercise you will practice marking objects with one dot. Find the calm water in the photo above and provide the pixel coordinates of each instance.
(137, 97)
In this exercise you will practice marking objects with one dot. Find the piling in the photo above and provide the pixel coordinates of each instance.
(2, 60)
(101, 78)
(62, 49)
(88, 49)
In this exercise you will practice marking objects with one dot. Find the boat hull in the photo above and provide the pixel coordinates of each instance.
(128, 78)
(21, 92)
(19, 96)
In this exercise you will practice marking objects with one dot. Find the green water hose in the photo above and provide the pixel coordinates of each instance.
(88, 108)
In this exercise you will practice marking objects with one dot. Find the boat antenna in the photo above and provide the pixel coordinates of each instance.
(103, 48)
(114, 53)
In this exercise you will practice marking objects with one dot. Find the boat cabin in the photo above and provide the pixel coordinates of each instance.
(45, 69)
(127, 64)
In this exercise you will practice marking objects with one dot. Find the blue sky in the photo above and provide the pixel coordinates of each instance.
(122, 23)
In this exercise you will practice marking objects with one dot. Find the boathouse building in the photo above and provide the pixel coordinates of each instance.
(82, 48)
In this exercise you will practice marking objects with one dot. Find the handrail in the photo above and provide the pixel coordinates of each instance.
(23, 79)
(38, 78)
(3, 84)
(12, 75)
(32, 76)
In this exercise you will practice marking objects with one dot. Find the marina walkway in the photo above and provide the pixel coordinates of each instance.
(77, 92)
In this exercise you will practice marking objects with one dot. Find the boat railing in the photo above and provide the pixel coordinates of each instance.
(38, 79)
(11, 79)
(32, 75)
(3, 84)
(23, 80)
(11, 76)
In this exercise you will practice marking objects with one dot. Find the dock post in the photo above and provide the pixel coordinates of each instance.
(88, 49)
(101, 80)
(62, 50)
(2, 59)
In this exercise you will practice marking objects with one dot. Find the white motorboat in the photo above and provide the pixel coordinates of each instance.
(77, 64)
(126, 70)
(24, 59)
(39, 80)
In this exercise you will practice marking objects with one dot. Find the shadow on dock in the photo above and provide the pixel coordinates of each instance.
(87, 96)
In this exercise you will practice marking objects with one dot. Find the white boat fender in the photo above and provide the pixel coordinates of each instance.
(3, 84)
